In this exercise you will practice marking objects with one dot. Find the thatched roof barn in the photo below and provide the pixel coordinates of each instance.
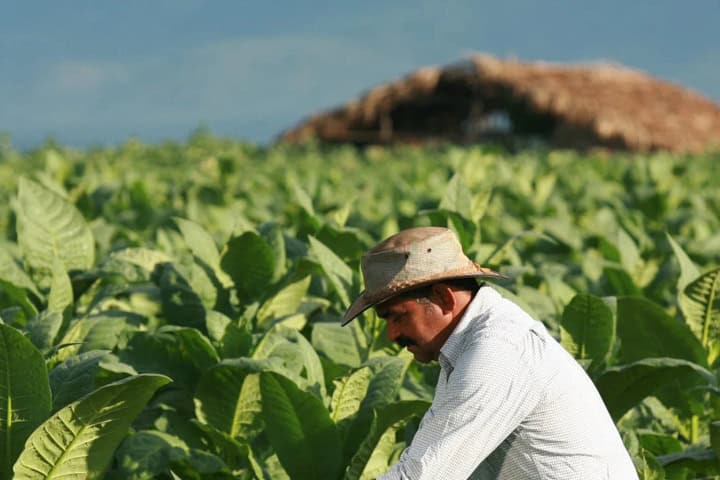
(488, 99)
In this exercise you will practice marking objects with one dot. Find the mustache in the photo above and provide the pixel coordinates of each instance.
(405, 341)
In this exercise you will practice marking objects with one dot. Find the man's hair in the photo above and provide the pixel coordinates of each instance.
(423, 294)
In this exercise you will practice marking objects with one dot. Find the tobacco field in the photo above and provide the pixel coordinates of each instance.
(172, 311)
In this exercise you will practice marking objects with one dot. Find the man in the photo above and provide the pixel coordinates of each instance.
(510, 402)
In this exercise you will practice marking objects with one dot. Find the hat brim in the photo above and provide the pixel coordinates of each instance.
(364, 301)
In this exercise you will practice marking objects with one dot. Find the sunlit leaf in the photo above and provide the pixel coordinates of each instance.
(80, 439)
(49, 227)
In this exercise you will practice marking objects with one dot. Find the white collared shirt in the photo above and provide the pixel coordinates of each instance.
(511, 403)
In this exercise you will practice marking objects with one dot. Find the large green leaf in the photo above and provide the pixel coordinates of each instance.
(75, 377)
(688, 270)
(235, 454)
(11, 273)
(79, 440)
(181, 304)
(371, 459)
(203, 247)
(702, 462)
(340, 344)
(688, 273)
(273, 235)
(703, 311)
(181, 353)
(251, 263)
(337, 272)
(48, 226)
(16, 283)
(301, 361)
(43, 329)
(348, 243)
(285, 302)
(623, 387)
(388, 373)
(300, 429)
(232, 338)
(142, 257)
(148, 453)
(349, 393)
(228, 397)
(25, 400)
(19, 297)
(457, 198)
(646, 331)
(715, 436)
(61, 293)
(199, 241)
(103, 331)
(587, 329)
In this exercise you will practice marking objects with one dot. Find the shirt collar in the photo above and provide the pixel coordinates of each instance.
(453, 346)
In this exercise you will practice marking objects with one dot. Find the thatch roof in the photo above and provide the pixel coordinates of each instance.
(485, 98)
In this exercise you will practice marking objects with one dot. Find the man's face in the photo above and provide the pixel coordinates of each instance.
(420, 326)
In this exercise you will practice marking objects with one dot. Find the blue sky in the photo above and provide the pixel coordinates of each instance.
(100, 72)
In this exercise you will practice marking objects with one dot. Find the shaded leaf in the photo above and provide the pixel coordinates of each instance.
(75, 377)
(228, 397)
(232, 338)
(588, 328)
(43, 328)
(181, 304)
(300, 429)
(622, 388)
(25, 398)
(148, 453)
(181, 353)
(251, 263)
(646, 331)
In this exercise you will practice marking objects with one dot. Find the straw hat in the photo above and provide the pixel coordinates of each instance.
(410, 259)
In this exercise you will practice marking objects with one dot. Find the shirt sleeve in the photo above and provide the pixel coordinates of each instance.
(487, 395)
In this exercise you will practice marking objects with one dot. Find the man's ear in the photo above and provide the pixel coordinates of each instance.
(444, 297)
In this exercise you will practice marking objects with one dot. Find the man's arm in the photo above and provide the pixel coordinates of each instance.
(490, 391)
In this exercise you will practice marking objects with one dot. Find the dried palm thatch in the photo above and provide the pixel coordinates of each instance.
(485, 98)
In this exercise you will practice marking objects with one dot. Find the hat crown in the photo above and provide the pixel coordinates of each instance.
(410, 259)
(412, 255)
